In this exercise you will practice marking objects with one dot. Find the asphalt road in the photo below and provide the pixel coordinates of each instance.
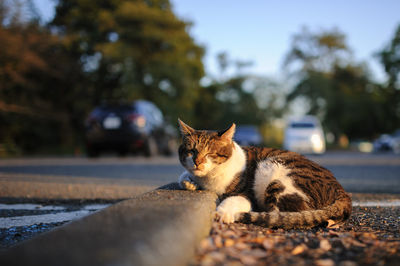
(81, 178)
(367, 173)
(110, 178)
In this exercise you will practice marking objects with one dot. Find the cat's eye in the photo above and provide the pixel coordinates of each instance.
(215, 156)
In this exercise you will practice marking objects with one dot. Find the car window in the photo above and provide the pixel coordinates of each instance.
(302, 125)
(156, 114)
(150, 111)
(140, 108)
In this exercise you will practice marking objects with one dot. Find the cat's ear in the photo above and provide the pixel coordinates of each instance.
(227, 134)
(185, 129)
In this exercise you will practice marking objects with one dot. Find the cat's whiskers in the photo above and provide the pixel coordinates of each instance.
(219, 178)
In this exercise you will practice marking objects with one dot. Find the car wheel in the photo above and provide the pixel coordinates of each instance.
(150, 147)
(123, 152)
(93, 152)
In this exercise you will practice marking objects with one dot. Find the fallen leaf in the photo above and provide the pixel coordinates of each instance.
(368, 235)
(205, 244)
(218, 241)
(348, 263)
(324, 262)
(248, 260)
(348, 242)
(229, 233)
(241, 245)
(299, 249)
(217, 256)
(325, 245)
(258, 240)
(333, 233)
(268, 244)
(255, 253)
(229, 242)
(332, 224)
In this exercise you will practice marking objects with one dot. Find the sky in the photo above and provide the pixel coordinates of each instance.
(260, 31)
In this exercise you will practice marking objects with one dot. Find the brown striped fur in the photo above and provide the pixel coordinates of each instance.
(298, 194)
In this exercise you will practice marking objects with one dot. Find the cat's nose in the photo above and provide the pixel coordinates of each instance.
(198, 161)
(200, 167)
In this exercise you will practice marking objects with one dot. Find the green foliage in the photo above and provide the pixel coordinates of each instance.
(40, 98)
(94, 51)
(245, 100)
(134, 49)
(319, 51)
(241, 98)
(390, 58)
(337, 90)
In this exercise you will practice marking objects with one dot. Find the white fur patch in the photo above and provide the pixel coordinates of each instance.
(268, 171)
(218, 177)
(231, 207)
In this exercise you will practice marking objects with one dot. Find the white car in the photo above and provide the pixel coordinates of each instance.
(304, 135)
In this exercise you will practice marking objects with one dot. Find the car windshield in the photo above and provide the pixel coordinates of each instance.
(302, 125)
(121, 108)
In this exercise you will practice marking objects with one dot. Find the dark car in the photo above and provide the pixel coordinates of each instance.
(248, 135)
(135, 127)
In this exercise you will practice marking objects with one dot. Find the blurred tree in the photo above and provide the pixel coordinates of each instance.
(250, 100)
(223, 62)
(243, 99)
(353, 105)
(32, 79)
(320, 51)
(134, 49)
(390, 59)
(336, 89)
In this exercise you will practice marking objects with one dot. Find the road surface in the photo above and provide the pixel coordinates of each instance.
(366, 173)
(26, 182)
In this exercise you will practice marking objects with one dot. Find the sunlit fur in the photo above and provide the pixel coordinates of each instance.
(264, 186)
(269, 171)
(232, 206)
(212, 158)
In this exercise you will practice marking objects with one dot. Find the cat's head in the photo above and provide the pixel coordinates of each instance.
(203, 150)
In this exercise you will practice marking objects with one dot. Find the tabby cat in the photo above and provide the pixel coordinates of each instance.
(263, 186)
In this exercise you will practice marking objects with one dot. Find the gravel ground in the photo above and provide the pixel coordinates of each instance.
(370, 237)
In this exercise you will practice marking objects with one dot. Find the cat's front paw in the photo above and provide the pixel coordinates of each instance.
(226, 216)
(186, 182)
(188, 185)
(230, 209)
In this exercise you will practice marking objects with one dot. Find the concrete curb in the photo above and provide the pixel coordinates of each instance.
(161, 227)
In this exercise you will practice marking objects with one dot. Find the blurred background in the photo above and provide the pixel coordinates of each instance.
(79, 76)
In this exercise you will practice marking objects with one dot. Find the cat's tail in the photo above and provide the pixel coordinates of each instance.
(335, 213)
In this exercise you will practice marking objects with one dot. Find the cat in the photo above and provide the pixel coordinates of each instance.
(264, 186)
